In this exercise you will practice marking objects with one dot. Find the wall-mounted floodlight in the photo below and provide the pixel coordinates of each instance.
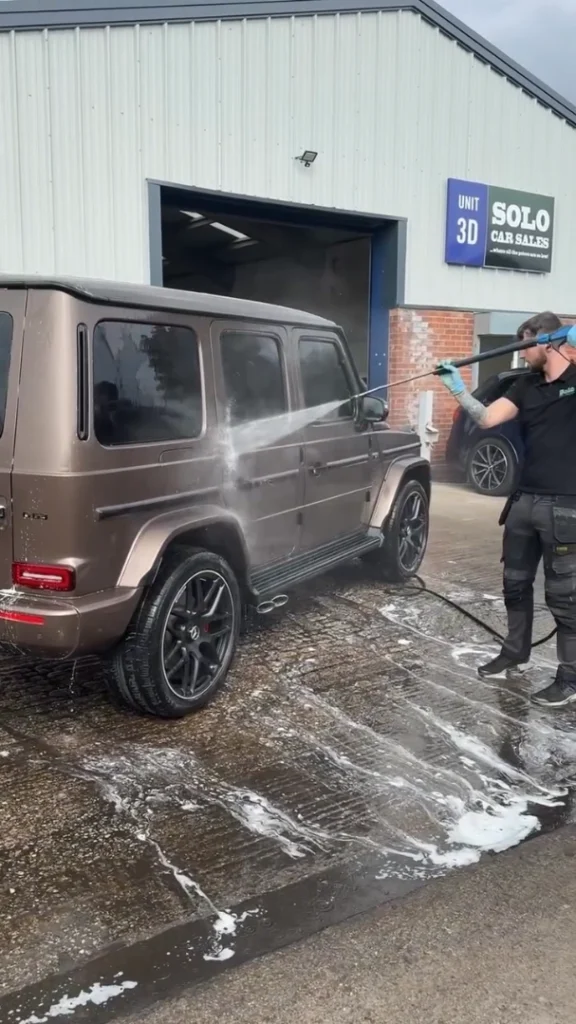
(308, 157)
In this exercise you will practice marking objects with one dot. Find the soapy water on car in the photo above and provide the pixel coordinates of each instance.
(244, 438)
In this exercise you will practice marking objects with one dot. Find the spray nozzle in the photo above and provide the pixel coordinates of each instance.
(559, 337)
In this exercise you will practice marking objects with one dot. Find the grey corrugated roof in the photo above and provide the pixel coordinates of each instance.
(145, 296)
(31, 14)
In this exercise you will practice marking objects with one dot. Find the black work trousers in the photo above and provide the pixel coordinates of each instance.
(541, 527)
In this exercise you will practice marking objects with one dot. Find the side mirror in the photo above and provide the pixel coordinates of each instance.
(372, 410)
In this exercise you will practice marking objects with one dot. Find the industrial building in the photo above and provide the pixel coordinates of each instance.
(375, 162)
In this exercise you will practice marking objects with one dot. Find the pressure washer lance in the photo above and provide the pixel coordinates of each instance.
(556, 338)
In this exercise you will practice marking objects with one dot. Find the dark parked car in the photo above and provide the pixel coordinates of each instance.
(489, 459)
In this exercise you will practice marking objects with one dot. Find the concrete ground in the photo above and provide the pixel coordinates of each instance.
(491, 944)
(353, 759)
(494, 944)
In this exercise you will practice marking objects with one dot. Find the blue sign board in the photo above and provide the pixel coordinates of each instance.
(466, 223)
(490, 226)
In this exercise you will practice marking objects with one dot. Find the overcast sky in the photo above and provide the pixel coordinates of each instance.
(539, 34)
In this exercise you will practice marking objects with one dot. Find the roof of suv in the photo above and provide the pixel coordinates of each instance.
(150, 297)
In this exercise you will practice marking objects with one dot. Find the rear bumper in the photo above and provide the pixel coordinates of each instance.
(53, 627)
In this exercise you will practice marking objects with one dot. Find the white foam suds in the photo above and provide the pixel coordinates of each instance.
(261, 817)
(407, 614)
(143, 776)
(224, 954)
(396, 755)
(98, 995)
(495, 712)
(459, 652)
(470, 820)
(484, 754)
(484, 830)
(187, 884)
(135, 784)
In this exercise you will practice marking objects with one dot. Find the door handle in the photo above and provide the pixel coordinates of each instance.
(316, 468)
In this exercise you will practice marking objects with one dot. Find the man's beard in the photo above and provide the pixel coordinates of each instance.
(538, 360)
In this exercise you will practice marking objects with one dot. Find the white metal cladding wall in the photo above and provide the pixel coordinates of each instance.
(392, 106)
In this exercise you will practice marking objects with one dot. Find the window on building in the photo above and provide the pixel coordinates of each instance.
(325, 378)
(147, 383)
(253, 376)
(6, 327)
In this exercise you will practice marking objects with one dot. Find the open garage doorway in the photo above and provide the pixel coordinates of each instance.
(499, 364)
(316, 260)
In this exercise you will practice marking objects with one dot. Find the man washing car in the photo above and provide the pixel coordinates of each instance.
(540, 518)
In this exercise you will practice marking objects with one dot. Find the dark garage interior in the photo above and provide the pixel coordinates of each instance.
(323, 268)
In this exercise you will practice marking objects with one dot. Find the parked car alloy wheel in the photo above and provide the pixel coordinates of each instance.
(492, 466)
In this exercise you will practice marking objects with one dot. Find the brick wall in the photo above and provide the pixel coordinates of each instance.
(418, 340)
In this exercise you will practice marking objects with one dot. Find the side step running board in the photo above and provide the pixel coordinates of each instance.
(275, 579)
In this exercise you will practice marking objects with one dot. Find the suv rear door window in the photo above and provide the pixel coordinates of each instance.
(253, 376)
(6, 327)
(324, 376)
(147, 383)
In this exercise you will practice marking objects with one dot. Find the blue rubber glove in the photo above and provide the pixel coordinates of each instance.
(450, 377)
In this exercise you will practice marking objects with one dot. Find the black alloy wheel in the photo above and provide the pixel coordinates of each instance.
(197, 634)
(405, 536)
(412, 532)
(182, 639)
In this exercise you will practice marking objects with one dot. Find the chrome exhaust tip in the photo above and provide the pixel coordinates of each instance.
(265, 607)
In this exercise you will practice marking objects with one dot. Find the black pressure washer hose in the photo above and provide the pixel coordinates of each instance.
(425, 589)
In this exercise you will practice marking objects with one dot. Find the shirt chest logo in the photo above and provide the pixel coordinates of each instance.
(565, 392)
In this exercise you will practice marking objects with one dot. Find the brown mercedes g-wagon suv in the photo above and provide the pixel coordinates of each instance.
(168, 458)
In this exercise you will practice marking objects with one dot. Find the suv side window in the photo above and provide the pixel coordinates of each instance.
(6, 326)
(253, 376)
(325, 378)
(147, 383)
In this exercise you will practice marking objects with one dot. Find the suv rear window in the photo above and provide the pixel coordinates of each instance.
(6, 327)
(147, 383)
(253, 376)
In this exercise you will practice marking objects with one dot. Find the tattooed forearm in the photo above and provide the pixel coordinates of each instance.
(472, 406)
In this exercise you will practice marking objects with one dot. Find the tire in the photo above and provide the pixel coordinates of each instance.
(195, 596)
(491, 467)
(391, 559)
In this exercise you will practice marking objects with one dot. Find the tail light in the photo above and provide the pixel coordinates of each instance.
(43, 577)
(29, 620)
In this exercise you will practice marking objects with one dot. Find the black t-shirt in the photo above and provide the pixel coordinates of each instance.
(547, 417)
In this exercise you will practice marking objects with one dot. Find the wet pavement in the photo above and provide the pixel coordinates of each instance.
(353, 756)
